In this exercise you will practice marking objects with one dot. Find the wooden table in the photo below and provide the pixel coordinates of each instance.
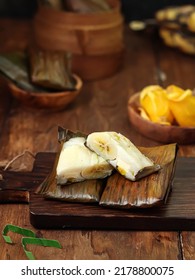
(102, 105)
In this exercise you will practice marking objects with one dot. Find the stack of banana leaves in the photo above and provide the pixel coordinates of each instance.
(108, 169)
(177, 27)
(37, 70)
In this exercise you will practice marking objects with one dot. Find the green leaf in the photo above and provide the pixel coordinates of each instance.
(16, 229)
(29, 239)
(14, 67)
(38, 241)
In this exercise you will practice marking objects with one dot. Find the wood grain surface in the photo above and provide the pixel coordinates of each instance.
(102, 105)
(178, 213)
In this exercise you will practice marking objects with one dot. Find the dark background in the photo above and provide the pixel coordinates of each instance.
(132, 9)
(139, 9)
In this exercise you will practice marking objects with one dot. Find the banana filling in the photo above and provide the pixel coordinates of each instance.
(122, 154)
(77, 163)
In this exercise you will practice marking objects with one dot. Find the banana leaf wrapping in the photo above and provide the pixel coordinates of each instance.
(88, 191)
(116, 191)
(14, 67)
(149, 191)
(51, 69)
(89, 6)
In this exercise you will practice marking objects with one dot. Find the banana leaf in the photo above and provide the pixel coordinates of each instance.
(88, 191)
(14, 67)
(51, 69)
(66, 134)
(86, 6)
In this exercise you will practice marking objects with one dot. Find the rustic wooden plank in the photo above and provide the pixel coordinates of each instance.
(101, 106)
(5, 103)
(187, 245)
(177, 214)
(97, 245)
(178, 69)
(100, 245)
(18, 184)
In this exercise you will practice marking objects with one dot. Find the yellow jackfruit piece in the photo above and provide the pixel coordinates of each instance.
(143, 114)
(153, 99)
(182, 105)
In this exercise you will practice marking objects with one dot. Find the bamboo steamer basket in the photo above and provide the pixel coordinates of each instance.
(92, 38)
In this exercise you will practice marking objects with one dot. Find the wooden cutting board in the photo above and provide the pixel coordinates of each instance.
(16, 186)
(177, 214)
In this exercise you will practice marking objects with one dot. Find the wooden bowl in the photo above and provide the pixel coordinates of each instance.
(97, 33)
(96, 40)
(158, 132)
(43, 100)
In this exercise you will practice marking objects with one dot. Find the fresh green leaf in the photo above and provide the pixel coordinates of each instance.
(38, 241)
(16, 229)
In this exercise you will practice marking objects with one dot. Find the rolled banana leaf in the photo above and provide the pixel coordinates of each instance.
(14, 67)
(51, 69)
(150, 191)
(86, 6)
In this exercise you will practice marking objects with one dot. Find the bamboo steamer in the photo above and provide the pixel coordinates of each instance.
(91, 38)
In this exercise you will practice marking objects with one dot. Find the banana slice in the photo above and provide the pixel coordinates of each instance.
(97, 171)
(102, 144)
(77, 163)
(122, 154)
